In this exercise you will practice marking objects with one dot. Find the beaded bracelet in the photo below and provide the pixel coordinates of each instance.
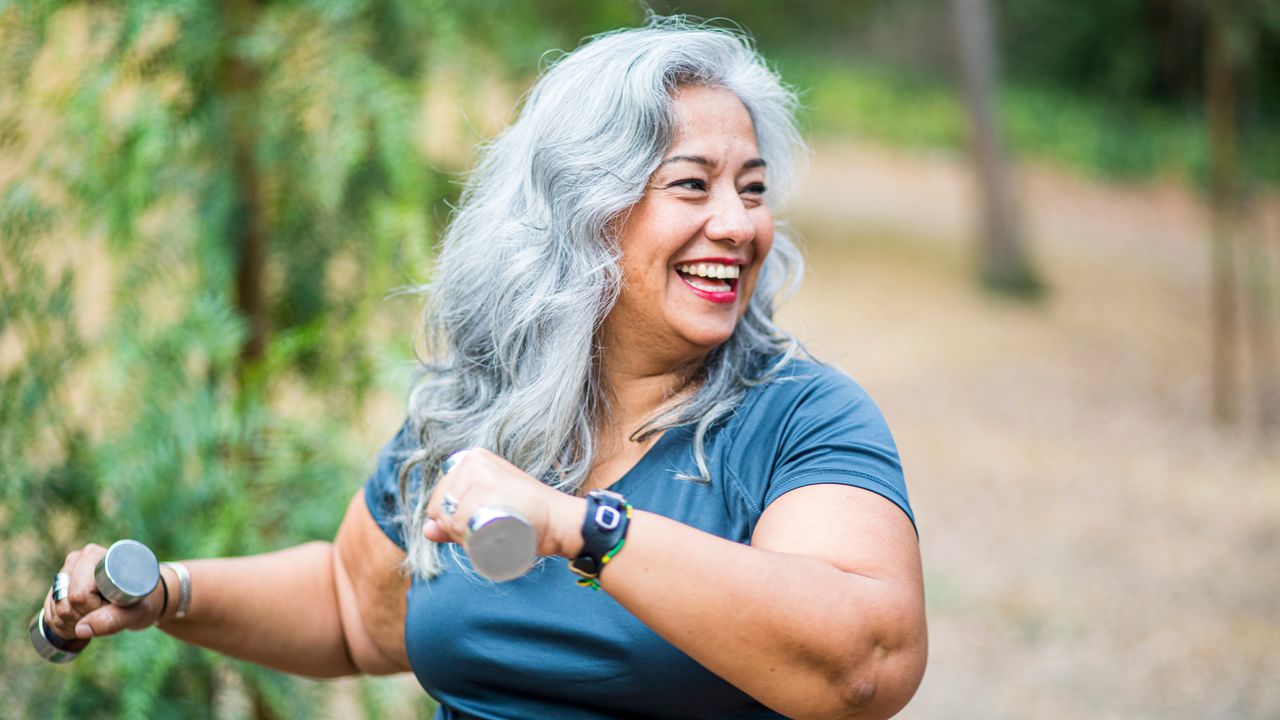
(594, 582)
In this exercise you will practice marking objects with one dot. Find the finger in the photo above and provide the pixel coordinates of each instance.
(433, 532)
(448, 525)
(59, 612)
(109, 620)
(51, 619)
(60, 617)
(458, 524)
(83, 594)
(452, 462)
(445, 488)
(448, 479)
(452, 526)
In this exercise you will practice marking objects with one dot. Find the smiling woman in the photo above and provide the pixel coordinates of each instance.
(602, 344)
(692, 248)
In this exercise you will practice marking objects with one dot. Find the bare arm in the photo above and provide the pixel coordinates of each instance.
(319, 609)
(279, 610)
(821, 617)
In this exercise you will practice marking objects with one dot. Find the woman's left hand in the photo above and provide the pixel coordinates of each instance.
(481, 478)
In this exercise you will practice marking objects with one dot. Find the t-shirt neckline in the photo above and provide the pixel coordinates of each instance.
(650, 457)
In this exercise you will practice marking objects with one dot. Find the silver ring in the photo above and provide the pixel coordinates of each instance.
(451, 462)
(448, 504)
(61, 581)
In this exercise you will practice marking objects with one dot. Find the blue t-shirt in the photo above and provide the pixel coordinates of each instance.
(542, 647)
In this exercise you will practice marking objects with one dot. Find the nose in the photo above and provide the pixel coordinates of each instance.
(729, 221)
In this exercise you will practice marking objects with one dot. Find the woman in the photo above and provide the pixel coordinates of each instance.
(602, 318)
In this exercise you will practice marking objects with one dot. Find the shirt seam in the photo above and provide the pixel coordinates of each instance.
(730, 472)
(790, 483)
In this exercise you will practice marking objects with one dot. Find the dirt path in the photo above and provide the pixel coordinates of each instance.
(1093, 547)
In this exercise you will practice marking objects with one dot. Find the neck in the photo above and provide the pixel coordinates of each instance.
(639, 388)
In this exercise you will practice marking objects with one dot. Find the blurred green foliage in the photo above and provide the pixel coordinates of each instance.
(1044, 123)
(1112, 89)
(140, 141)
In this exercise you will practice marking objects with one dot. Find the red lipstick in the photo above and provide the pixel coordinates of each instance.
(712, 296)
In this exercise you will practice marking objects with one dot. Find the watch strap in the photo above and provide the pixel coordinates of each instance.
(604, 530)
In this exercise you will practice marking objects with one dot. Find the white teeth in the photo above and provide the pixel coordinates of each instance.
(707, 285)
(710, 270)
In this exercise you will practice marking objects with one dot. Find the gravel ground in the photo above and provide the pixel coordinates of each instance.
(1094, 547)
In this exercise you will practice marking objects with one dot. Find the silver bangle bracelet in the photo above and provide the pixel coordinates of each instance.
(184, 588)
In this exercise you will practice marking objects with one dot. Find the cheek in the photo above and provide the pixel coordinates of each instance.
(763, 244)
(764, 231)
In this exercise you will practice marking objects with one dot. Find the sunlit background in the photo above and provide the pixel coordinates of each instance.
(1044, 235)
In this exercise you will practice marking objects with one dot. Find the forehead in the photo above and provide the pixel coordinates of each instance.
(711, 120)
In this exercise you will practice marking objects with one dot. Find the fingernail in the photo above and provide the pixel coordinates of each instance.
(83, 631)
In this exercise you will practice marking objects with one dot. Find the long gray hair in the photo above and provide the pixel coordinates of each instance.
(529, 267)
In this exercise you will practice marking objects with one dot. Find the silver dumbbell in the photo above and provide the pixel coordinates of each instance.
(125, 575)
(500, 541)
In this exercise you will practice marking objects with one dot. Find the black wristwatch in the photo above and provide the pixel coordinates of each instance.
(604, 530)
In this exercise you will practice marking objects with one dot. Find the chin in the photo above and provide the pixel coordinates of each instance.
(709, 339)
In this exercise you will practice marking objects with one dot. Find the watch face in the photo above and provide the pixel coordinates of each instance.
(602, 531)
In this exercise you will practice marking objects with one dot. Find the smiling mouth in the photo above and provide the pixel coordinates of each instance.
(717, 282)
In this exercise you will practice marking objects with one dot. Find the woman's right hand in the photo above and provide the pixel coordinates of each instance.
(85, 613)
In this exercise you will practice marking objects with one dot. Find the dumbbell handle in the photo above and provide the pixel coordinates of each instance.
(126, 574)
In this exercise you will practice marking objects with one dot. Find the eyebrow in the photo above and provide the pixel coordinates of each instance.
(702, 160)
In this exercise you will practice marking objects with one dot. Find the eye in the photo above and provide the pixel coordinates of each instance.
(754, 189)
(690, 184)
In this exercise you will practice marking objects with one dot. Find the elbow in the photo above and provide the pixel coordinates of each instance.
(882, 683)
(862, 698)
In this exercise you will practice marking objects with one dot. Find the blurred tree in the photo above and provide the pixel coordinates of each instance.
(1223, 197)
(1233, 33)
(1004, 263)
(180, 182)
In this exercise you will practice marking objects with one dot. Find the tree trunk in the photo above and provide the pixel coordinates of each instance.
(1003, 259)
(240, 85)
(1258, 274)
(240, 91)
(1261, 327)
(1221, 116)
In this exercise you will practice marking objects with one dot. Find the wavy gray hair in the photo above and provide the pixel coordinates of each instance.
(529, 268)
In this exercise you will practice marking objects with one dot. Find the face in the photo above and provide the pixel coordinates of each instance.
(693, 246)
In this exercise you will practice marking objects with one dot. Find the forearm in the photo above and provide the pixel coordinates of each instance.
(279, 609)
(795, 632)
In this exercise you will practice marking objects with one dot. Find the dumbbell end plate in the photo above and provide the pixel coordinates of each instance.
(127, 573)
(50, 646)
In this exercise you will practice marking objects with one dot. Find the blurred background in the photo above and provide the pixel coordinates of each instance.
(1044, 235)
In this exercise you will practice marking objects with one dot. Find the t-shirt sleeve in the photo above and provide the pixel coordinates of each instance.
(834, 433)
(382, 489)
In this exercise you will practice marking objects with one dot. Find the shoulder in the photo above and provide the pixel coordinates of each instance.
(808, 388)
(808, 424)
